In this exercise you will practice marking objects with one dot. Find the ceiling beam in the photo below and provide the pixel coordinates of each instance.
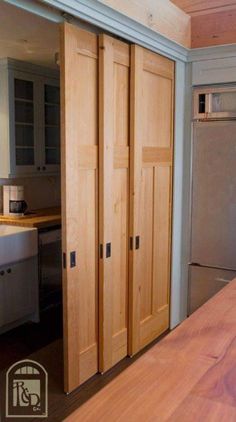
(159, 15)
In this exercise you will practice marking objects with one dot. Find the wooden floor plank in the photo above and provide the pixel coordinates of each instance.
(30, 342)
(189, 375)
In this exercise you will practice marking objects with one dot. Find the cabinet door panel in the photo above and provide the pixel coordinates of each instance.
(24, 89)
(24, 112)
(79, 101)
(24, 156)
(152, 89)
(51, 119)
(24, 135)
(24, 101)
(52, 94)
(114, 78)
(18, 291)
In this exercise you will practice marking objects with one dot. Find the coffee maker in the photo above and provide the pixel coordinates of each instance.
(13, 201)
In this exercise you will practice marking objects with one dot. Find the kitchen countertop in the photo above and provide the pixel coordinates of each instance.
(39, 219)
(190, 375)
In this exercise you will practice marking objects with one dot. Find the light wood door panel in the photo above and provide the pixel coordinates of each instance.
(152, 91)
(114, 83)
(79, 115)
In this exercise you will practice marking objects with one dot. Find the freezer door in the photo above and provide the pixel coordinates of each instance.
(205, 283)
(213, 241)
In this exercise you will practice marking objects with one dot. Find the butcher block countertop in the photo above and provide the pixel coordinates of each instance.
(39, 219)
(190, 375)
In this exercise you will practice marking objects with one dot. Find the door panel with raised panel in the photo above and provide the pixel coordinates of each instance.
(79, 113)
(152, 90)
(114, 82)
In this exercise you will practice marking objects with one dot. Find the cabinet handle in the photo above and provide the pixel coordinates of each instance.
(44, 168)
(2, 272)
(38, 168)
(9, 270)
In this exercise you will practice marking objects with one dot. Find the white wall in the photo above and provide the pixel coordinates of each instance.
(40, 192)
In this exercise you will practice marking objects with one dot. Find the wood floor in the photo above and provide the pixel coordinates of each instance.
(29, 338)
(190, 376)
(24, 344)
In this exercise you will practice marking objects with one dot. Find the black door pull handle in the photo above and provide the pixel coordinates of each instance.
(108, 250)
(137, 242)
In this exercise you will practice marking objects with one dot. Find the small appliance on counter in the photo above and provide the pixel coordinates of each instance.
(13, 201)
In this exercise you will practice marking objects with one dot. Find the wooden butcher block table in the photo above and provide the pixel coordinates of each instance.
(39, 219)
(188, 376)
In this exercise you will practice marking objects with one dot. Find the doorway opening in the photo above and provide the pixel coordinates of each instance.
(31, 272)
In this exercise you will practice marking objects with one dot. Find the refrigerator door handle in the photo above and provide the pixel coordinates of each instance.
(223, 280)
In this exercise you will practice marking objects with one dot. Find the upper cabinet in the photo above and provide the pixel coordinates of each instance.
(30, 120)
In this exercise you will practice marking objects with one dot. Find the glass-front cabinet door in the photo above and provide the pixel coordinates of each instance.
(35, 124)
(30, 119)
(51, 118)
(24, 142)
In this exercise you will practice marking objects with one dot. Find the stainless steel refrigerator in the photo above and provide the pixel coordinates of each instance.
(213, 211)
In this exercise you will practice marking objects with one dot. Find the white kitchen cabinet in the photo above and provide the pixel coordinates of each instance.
(30, 120)
(19, 300)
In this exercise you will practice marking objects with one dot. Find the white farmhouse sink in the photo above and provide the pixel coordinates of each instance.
(17, 243)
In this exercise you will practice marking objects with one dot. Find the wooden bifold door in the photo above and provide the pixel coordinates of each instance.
(117, 137)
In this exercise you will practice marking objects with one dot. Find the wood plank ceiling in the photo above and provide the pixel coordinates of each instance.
(193, 7)
(213, 21)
